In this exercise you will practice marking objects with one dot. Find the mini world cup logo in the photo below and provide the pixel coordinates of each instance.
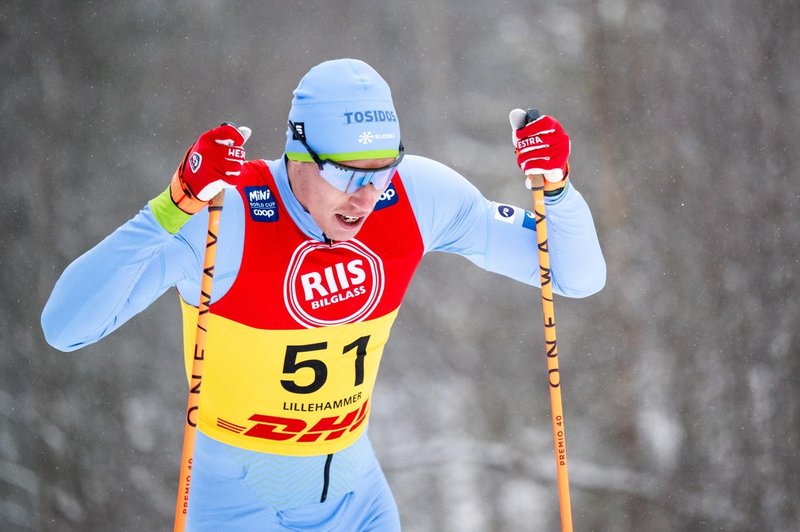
(332, 284)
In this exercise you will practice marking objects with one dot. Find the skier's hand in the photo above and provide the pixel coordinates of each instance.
(542, 147)
(212, 163)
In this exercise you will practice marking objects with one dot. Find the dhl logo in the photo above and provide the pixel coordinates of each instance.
(278, 428)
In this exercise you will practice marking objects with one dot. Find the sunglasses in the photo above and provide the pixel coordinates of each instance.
(348, 179)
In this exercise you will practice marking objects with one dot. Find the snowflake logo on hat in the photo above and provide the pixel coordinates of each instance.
(366, 137)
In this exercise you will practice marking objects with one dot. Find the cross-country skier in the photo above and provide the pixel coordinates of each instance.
(316, 250)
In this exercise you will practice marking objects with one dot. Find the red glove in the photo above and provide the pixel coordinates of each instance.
(211, 164)
(542, 147)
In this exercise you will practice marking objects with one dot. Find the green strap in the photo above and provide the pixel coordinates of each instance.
(168, 215)
(555, 191)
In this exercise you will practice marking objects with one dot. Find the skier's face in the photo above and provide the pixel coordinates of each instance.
(338, 214)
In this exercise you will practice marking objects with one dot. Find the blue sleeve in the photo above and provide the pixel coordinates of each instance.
(115, 280)
(454, 217)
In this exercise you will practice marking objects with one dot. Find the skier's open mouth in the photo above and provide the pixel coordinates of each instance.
(350, 220)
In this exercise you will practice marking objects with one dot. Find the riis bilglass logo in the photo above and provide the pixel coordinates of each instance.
(263, 207)
(333, 284)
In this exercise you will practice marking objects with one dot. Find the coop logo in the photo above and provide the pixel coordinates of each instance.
(262, 204)
(332, 284)
(387, 198)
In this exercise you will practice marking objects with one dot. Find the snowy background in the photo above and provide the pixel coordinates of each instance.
(681, 379)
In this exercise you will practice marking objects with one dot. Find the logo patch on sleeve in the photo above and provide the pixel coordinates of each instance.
(195, 161)
(505, 213)
(529, 222)
(262, 204)
(388, 198)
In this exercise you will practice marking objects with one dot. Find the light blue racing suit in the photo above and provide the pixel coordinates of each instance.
(238, 489)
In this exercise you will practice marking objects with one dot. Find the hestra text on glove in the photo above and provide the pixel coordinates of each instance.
(211, 164)
(542, 147)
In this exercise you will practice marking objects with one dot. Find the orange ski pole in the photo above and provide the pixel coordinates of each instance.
(182, 504)
(551, 345)
(553, 374)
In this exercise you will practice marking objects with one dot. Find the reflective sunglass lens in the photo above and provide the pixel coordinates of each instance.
(382, 178)
(335, 177)
(349, 181)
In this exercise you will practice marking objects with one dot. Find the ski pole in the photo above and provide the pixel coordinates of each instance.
(193, 404)
(551, 347)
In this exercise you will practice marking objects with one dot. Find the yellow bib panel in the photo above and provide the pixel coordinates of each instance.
(319, 380)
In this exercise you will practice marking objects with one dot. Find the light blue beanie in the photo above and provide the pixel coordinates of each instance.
(344, 108)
